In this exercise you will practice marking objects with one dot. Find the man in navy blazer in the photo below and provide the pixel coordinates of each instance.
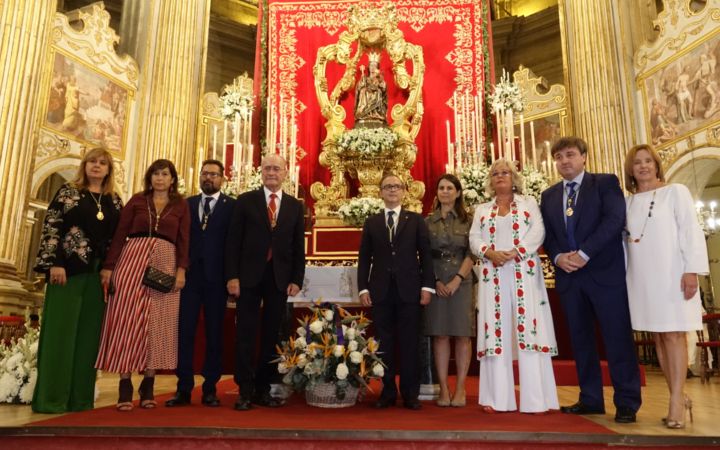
(210, 213)
(265, 262)
(395, 277)
(584, 217)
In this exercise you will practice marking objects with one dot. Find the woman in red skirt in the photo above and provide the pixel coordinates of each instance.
(140, 329)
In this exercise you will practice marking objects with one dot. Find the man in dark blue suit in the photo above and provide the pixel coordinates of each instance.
(396, 277)
(211, 212)
(584, 217)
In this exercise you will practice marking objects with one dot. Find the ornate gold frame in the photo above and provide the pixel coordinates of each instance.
(682, 31)
(372, 29)
(92, 46)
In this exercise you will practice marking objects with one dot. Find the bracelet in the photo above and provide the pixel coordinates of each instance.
(461, 277)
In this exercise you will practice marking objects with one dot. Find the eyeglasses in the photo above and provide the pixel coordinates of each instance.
(392, 187)
(211, 175)
(501, 173)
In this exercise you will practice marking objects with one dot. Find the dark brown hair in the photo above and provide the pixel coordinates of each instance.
(214, 162)
(569, 142)
(459, 207)
(161, 164)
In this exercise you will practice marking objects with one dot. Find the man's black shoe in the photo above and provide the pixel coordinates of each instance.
(210, 399)
(624, 415)
(267, 400)
(412, 404)
(384, 403)
(581, 408)
(242, 404)
(180, 399)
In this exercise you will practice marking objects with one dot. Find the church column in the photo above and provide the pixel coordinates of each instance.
(170, 50)
(24, 28)
(600, 87)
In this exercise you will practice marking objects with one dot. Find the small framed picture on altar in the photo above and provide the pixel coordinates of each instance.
(85, 105)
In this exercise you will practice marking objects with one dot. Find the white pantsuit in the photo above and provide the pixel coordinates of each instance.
(514, 318)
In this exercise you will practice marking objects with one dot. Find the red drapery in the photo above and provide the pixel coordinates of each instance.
(454, 35)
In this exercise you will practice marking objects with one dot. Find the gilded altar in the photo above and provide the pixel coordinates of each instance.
(372, 31)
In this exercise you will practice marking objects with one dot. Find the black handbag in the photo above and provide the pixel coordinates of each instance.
(158, 280)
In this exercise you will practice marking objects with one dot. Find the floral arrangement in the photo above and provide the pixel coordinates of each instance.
(18, 367)
(535, 182)
(358, 209)
(181, 187)
(368, 141)
(233, 187)
(473, 179)
(506, 95)
(330, 347)
(235, 100)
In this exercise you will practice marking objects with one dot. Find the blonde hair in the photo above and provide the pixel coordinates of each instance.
(630, 183)
(81, 181)
(518, 182)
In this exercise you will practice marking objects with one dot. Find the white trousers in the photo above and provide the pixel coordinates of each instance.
(538, 392)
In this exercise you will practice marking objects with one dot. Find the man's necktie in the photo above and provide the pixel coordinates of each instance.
(206, 212)
(391, 224)
(272, 211)
(570, 208)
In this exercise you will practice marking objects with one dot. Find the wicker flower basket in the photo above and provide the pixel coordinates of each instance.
(323, 395)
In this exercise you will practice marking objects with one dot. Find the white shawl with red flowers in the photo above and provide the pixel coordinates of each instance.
(535, 331)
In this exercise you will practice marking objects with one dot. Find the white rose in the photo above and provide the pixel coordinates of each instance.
(355, 357)
(316, 326)
(352, 346)
(301, 331)
(300, 342)
(328, 314)
(301, 361)
(339, 350)
(342, 371)
(351, 333)
(378, 370)
(283, 368)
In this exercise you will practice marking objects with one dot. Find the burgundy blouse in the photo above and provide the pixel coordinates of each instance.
(174, 225)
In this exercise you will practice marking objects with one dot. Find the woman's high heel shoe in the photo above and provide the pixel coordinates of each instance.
(677, 424)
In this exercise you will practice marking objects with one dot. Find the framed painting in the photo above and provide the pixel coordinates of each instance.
(86, 106)
(682, 95)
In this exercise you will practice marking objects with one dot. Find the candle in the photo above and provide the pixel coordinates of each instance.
(268, 121)
(511, 134)
(551, 163)
(293, 152)
(522, 140)
(455, 118)
(191, 182)
(532, 143)
(225, 144)
(473, 150)
(249, 140)
(498, 125)
(214, 140)
(282, 118)
(447, 132)
(451, 156)
(492, 152)
(236, 140)
(297, 180)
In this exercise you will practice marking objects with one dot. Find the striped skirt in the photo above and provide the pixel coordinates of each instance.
(140, 329)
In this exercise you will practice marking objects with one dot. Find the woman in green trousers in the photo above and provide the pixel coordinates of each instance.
(79, 224)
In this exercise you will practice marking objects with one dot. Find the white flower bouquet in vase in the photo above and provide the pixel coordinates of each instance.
(358, 209)
(18, 367)
(330, 358)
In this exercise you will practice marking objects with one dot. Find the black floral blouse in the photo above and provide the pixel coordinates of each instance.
(72, 234)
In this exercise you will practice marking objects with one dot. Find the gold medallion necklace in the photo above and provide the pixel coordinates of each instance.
(98, 202)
